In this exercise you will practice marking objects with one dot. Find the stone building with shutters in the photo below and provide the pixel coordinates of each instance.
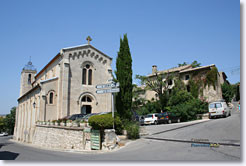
(185, 73)
(65, 86)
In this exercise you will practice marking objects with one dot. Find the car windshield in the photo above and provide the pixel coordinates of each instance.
(149, 116)
(218, 105)
(211, 105)
(215, 105)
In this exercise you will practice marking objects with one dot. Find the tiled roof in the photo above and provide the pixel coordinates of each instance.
(197, 68)
(175, 69)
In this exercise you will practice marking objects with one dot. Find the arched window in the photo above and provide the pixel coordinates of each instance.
(29, 78)
(90, 77)
(86, 99)
(51, 98)
(84, 77)
(87, 75)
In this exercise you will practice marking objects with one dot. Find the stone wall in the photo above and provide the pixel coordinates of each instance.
(61, 138)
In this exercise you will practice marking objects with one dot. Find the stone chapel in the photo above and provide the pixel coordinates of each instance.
(65, 86)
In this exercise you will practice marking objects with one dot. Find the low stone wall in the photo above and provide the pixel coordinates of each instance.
(61, 138)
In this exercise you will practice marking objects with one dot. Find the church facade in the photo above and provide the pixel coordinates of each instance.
(65, 86)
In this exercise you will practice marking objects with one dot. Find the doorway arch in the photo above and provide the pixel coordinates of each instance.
(87, 103)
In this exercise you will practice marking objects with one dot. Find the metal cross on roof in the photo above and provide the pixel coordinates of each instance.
(88, 39)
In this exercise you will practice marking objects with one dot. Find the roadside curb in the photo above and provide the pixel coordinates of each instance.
(189, 141)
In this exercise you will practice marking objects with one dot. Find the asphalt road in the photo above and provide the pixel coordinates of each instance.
(161, 144)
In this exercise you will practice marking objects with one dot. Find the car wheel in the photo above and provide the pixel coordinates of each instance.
(178, 121)
(156, 123)
(169, 121)
(210, 117)
(230, 113)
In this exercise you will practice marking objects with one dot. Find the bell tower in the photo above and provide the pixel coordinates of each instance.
(27, 78)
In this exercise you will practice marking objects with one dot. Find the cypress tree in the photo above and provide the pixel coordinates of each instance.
(124, 77)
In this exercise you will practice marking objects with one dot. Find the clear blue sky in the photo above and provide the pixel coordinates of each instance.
(164, 33)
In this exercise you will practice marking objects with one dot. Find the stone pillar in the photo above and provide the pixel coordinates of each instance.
(39, 108)
(32, 123)
(59, 94)
(24, 122)
(64, 97)
(110, 140)
(21, 122)
(16, 123)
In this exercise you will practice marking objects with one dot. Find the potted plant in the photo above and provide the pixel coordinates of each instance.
(54, 122)
(48, 123)
(58, 122)
(69, 123)
(63, 122)
(76, 123)
(82, 123)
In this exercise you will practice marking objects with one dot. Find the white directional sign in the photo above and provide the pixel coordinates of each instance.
(114, 90)
(110, 85)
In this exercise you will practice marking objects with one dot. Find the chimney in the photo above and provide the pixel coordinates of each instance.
(154, 69)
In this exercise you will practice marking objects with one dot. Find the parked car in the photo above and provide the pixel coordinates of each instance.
(218, 109)
(168, 117)
(151, 119)
(102, 113)
(141, 120)
(74, 117)
(3, 134)
(86, 117)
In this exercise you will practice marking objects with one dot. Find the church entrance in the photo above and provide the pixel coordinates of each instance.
(86, 105)
(86, 109)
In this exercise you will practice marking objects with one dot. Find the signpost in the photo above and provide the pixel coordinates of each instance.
(110, 85)
(112, 88)
(115, 90)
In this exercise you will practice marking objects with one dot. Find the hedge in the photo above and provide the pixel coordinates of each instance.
(105, 121)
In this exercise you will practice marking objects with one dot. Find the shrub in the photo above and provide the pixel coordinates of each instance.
(132, 130)
(59, 121)
(149, 107)
(183, 104)
(101, 122)
(227, 92)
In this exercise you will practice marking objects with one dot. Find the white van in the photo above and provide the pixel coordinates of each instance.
(217, 109)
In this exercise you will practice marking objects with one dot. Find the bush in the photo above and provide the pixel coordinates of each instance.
(183, 104)
(101, 122)
(228, 92)
(149, 107)
(132, 130)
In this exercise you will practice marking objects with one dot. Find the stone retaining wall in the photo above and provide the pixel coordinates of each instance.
(61, 138)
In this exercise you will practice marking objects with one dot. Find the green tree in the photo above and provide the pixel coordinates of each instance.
(194, 64)
(138, 100)
(186, 106)
(2, 125)
(228, 92)
(182, 64)
(236, 89)
(9, 121)
(124, 77)
(159, 85)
